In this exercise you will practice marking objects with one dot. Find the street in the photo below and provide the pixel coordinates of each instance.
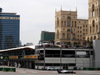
(23, 71)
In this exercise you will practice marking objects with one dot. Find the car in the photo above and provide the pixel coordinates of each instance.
(50, 68)
(66, 71)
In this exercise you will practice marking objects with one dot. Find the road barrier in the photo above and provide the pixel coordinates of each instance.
(8, 69)
(93, 69)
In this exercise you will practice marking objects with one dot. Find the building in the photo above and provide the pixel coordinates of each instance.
(47, 36)
(68, 28)
(19, 55)
(39, 58)
(94, 20)
(96, 47)
(9, 30)
(64, 58)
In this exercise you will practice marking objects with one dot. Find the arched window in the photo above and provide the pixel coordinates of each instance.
(61, 23)
(68, 36)
(72, 23)
(93, 25)
(91, 38)
(68, 21)
(94, 37)
(96, 28)
(57, 34)
(68, 18)
(63, 35)
(75, 23)
(64, 23)
(87, 38)
(93, 10)
(57, 22)
(90, 29)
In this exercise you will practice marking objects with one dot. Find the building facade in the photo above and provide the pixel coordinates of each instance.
(47, 36)
(94, 20)
(68, 28)
(9, 30)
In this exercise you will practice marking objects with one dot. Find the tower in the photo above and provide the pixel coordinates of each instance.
(93, 20)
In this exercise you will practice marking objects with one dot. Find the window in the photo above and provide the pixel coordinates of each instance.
(57, 34)
(75, 23)
(57, 22)
(90, 29)
(64, 23)
(97, 28)
(78, 31)
(78, 35)
(83, 25)
(93, 10)
(93, 24)
(78, 27)
(61, 23)
(68, 18)
(83, 33)
(72, 23)
(68, 21)
(63, 35)
(68, 36)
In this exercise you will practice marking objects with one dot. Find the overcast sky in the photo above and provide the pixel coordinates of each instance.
(39, 15)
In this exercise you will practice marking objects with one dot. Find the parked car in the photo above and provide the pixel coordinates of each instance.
(65, 71)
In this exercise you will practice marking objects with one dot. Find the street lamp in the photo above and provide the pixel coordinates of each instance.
(44, 56)
(60, 57)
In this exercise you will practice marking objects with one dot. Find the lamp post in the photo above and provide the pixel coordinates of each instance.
(60, 57)
(44, 56)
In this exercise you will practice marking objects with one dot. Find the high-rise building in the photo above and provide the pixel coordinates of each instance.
(94, 20)
(68, 28)
(9, 30)
(47, 36)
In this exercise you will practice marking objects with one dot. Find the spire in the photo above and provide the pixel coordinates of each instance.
(55, 10)
(61, 8)
(76, 9)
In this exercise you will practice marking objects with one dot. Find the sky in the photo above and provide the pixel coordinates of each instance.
(39, 15)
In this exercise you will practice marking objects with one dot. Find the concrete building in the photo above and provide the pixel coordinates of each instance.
(65, 21)
(94, 20)
(9, 30)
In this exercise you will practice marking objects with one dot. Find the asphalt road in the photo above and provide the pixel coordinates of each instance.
(23, 71)
(9, 73)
